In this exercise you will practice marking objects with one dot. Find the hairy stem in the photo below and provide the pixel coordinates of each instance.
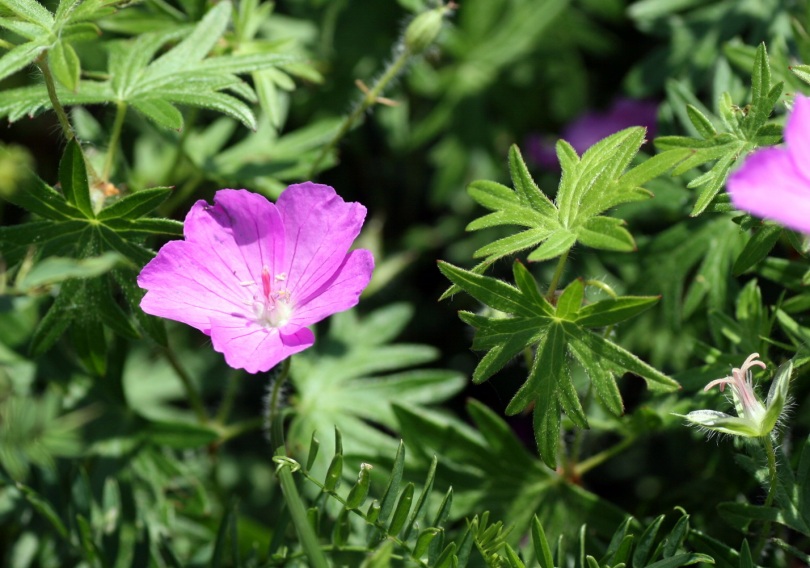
(770, 453)
(555, 279)
(67, 129)
(115, 137)
(298, 513)
(370, 98)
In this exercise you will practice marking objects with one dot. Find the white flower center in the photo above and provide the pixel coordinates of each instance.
(272, 308)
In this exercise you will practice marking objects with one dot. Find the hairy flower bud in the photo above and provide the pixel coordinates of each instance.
(424, 29)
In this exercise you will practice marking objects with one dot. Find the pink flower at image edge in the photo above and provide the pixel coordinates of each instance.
(253, 275)
(774, 183)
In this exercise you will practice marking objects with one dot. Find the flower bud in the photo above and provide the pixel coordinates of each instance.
(424, 29)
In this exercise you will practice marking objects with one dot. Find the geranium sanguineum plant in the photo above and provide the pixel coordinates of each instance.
(253, 275)
(774, 183)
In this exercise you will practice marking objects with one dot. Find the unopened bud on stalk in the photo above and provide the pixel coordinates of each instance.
(424, 29)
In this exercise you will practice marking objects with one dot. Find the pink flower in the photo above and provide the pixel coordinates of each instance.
(253, 275)
(775, 182)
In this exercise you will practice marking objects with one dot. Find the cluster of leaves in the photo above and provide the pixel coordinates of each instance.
(551, 328)
(88, 245)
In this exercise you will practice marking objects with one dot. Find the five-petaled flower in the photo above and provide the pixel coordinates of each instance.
(774, 183)
(253, 275)
(754, 419)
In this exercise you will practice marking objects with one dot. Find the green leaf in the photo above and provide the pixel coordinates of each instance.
(30, 11)
(525, 187)
(608, 350)
(490, 291)
(73, 178)
(136, 204)
(179, 435)
(603, 381)
(557, 244)
(56, 320)
(546, 371)
(53, 270)
(542, 550)
(227, 531)
(194, 47)
(570, 301)
(757, 247)
(528, 287)
(161, 112)
(64, 64)
(22, 56)
(702, 124)
(41, 199)
(392, 489)
(606, 233)
(613, 311)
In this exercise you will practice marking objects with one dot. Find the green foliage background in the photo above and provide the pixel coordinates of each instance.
(524, 416)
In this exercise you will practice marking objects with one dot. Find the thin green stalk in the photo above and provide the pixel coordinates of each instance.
(231, 390)
(598, 459)
(770, 453)
(240, 428)
(194, 397)
(555, 279)
(179, 153)
(369, 99)
(115, 137)
(273, 414)
(42, 63)
(298, 513)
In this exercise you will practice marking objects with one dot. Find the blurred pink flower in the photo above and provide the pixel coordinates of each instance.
(253, 275)
(592, 127)
(775, 182)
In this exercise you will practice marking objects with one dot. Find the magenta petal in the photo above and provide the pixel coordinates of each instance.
(340, 293)
(183, 285)
(319, 227)
(768, 185)
(253, 348)
(242, 231)
(797, 135)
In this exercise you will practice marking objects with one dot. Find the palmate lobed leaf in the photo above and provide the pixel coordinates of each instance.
(184, 75)
(590, 185)
(95, 245)
(746, 130)
(552, 335)
(354, 375)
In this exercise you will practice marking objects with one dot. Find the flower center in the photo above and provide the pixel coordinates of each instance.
(272, 308)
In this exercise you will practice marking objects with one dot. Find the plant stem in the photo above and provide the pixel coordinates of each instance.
(555, 279)
(309, 542)
(115, 137)
(194, 397)
(273, 414)
(598, 459)
(231, 388)
(239, 428)
(67, 129)
(770, 453)
(189, 121)
(370, 97)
